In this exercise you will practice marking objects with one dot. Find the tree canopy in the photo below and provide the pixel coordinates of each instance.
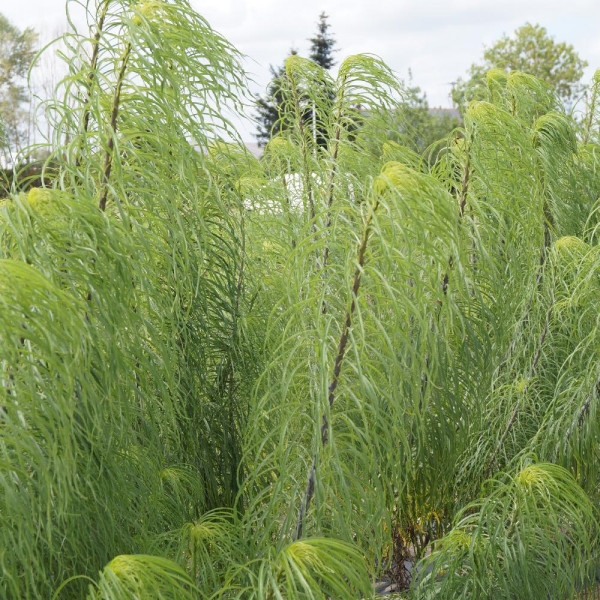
(531, 50)
(17, 49)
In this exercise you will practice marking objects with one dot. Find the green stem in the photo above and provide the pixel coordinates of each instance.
(465, 186)
(91, 78)
(337, 368)
(108, 157)
(589, 120)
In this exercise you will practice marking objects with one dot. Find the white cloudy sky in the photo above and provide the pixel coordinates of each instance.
(436, 39)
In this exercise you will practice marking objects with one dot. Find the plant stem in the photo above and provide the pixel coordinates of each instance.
(461, 212)
(288, 205)
(330, 187)
(91, 77)
(578, 421)
(337, 368)
(589, 117)
(465, 186)
(108, 157)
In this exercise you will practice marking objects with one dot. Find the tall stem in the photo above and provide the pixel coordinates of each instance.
(465, 186)
(590, 112)
(91, 77)
(108, 157)
(462, 203)
(337, 368)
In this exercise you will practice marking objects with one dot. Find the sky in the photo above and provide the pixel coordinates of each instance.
(435, 40)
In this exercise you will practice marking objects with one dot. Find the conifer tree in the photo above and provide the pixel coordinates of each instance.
(322, 46)
(269, 107)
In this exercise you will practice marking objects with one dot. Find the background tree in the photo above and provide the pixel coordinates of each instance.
(17, 49)
(322, 46)
(416, 125)
(531, 50)
(322, 49)
(269, 107)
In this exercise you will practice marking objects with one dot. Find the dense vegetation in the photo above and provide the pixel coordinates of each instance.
(230, 378)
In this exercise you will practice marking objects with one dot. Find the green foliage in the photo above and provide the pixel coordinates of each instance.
(529, 50)
(139, 576)
(230, 378)
(124, 440)
(524, 538)
(309, 568)
(590, 124)
(271, 109)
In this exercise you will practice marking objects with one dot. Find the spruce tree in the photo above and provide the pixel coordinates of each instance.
(322, 45)
(269, 107)
(322, 48)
